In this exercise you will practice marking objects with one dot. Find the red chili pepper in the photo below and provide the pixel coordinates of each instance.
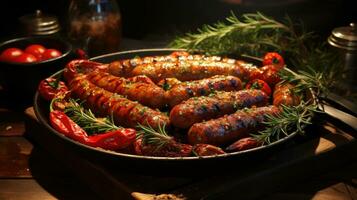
(260, 85)
(273, 58)
(82, 66)
(65, 125)
(113, 140)
(49, 88)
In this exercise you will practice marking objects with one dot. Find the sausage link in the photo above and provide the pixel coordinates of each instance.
(125, 112)
(198, 109)
(203, 87)
(227, 129)
(124, 67)
(190, 69)
(146, 93)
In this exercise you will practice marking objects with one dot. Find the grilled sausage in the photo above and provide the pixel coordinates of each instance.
(229, 128)
(147, 94)
(203, 87)
(125, 112)
(124, 67)
(190, 69)
(198, 109)
(168, 83)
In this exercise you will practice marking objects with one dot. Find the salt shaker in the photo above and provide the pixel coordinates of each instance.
(345, 40)
(94, 25)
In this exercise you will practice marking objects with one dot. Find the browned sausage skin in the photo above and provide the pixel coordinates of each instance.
(190, 69)
(229, 128)
(203, 87)
(126, 113)
(124, 67)
(198, 109)
(146, 93)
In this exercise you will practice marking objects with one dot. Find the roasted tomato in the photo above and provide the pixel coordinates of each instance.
(9, 55)
(260, 85)
(51, 87)
(36, 49)
(273, 58)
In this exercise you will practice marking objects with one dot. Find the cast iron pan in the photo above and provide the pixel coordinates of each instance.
(160, 165)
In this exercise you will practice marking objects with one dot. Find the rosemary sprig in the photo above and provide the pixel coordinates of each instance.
(87, 120)
(158, 138)
(291, 119)
(255, 34)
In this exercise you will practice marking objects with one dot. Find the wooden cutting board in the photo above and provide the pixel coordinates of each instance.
(327, 145)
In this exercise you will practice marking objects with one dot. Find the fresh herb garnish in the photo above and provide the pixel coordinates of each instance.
(87, 120)
(158, 138)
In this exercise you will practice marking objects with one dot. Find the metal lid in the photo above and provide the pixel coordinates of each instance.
(344, 37)
(40, 24)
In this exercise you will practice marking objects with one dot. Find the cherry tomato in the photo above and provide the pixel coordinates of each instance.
(25, 58)
(51, 53)
(51, 87)
(260, 85)
(36, 49)
(269, 74)
(273, 58)
(8, 55)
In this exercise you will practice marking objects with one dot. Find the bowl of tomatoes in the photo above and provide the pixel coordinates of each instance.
(25, 61)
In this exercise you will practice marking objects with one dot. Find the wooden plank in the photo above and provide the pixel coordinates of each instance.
(29, 189)
(14, 157)
(11, 123)
(26, 189)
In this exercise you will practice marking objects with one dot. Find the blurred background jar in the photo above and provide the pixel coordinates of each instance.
(94, 26)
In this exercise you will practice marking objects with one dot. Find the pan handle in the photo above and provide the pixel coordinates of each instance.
(342, 116)
(341, 103)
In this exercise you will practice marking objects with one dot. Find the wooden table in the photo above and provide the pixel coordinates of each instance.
(29, 170)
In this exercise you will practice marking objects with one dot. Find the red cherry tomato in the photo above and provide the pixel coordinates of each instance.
(269, 74)
(50, 87)
(273, 58)
(36, 50)
(51, 53)
(8, 55)
(25, 58)
(259, 85)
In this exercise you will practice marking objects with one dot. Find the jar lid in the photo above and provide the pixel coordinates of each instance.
(344, 37)
(40, 24)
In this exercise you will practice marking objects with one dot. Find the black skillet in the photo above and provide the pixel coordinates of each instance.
(161, 165)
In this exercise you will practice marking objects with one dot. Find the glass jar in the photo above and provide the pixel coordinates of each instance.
(94, 26)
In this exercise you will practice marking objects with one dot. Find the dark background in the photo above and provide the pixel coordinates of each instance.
(155, 20)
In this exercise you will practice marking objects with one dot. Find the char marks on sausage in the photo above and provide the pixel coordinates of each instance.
(198, 109)
(230, 128)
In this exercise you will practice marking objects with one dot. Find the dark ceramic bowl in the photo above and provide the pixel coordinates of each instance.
(20, 80)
